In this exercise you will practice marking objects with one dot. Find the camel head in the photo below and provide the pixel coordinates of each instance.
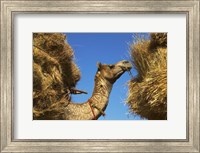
(112, 72)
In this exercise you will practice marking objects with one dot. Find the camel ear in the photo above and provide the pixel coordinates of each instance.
(98, 65)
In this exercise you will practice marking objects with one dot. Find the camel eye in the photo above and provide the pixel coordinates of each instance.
(111, 66)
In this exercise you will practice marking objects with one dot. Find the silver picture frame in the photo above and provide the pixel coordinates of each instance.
(188, 7)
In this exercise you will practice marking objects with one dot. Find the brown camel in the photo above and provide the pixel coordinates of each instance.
(104, 79)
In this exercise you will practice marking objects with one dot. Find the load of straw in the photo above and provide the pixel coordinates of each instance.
(147, 95)
(54, 73)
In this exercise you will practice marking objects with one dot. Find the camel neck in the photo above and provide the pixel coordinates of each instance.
(102, 86)
(98, 102)
(101, 92)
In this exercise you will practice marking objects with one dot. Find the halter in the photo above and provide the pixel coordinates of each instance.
(92, 109)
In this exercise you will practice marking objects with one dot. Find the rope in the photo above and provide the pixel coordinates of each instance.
(92, 110)
(101, 111)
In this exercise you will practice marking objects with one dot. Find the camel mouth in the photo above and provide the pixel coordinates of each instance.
(125, 66)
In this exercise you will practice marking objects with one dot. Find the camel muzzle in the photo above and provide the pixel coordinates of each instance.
(125, 65)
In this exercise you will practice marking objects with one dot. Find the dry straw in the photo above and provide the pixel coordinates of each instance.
(147, 95)
(54, 73)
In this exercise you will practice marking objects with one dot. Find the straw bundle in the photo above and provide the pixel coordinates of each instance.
(54, 72)
(147, 95)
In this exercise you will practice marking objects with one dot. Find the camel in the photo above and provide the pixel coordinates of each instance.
(105, 77)
(55, 76)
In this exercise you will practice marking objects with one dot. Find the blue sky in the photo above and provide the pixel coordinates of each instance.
(108, 48)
